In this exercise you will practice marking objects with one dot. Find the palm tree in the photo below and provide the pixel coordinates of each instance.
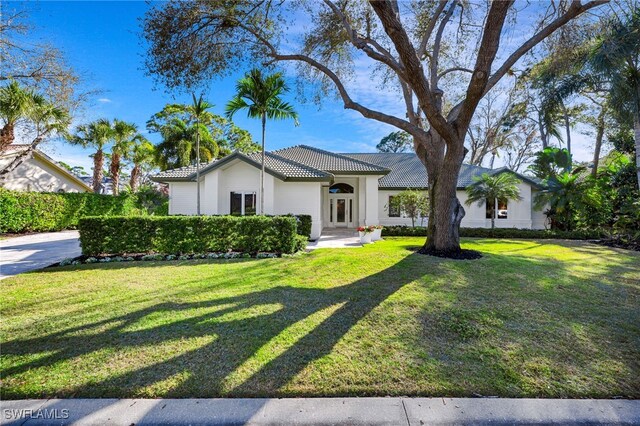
(45, 120)
(141, 154)
(199, 111)
(564, 193)
(260, 96)
(498, 187)
(616, 55)
(123, 136)
(15, 104)
(97, 135)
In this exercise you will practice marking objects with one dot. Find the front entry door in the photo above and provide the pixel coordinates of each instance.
(340, 211)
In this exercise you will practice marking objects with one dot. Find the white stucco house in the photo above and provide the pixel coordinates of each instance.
(38, 173)
(337, 190)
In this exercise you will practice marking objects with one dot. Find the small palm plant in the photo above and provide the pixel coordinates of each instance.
(499, 187)
(260, 95)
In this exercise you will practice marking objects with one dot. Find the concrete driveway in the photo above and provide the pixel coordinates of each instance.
(31, 252)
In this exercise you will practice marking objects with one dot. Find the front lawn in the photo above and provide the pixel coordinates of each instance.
(529, 319)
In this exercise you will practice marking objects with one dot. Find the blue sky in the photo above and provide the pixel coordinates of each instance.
(101, 41)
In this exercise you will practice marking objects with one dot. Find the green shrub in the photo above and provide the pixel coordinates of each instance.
(37, 211)
(189, 234)
(420, 231)
(304, 225)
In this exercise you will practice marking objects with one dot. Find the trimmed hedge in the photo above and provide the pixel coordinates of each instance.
(304, 225)
(421, 231)
(189, 234)
(38, 211)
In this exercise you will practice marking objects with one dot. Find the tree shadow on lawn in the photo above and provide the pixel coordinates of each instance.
(554, 332)
(237, 328)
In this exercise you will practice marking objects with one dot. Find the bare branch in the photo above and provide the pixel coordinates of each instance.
(365, 43)
(430, 26)
(415, 73)
(435, 57)
(574, 10)
(346, 99)
(454, 69)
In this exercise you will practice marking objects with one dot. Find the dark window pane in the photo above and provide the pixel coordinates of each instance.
(236, 203)
(394, 211)
(340, 209)
(350, 210)
(249, 204)
(489, 208)
(502, 209)
(341, 188)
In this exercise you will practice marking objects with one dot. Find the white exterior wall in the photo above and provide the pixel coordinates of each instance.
(300, 198)
(520, 213)
(216, 187)
(38, 176)
(182, 198)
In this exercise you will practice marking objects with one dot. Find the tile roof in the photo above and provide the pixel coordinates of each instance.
(280, 167)
(301, 162)
(407, 171)
(287, 167)
(329, 161)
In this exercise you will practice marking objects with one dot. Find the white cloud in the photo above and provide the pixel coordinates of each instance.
(105, 100)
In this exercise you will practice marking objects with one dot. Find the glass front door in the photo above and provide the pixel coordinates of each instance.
(340, 211)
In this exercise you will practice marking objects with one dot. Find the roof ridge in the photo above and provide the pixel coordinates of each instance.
(335, 154)
(290, 161)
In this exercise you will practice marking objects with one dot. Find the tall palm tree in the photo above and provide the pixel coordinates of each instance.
(15, 104)
(499, 187)
(199, 111)
(123, 136)
(260, 95)
(97, 135)
(141, 154)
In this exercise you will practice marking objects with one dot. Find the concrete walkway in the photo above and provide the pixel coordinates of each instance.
(321, 411)
(31, 252)
(336, 238)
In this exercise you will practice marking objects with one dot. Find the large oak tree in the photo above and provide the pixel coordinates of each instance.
(413, 46)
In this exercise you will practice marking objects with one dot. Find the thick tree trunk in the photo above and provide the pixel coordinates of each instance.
(445, 211)
(6, 136)
(114, 170)
(598, 147)
(135, 178)
(98, 163)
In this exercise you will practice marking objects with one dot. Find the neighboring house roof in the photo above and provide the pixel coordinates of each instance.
(330, 161)
(16, 149)
(305, 163)
(407, 171)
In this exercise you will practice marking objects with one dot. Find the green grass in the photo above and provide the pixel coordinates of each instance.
(529, 319)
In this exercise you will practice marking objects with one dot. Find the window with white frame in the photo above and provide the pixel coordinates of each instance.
(243, 203)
